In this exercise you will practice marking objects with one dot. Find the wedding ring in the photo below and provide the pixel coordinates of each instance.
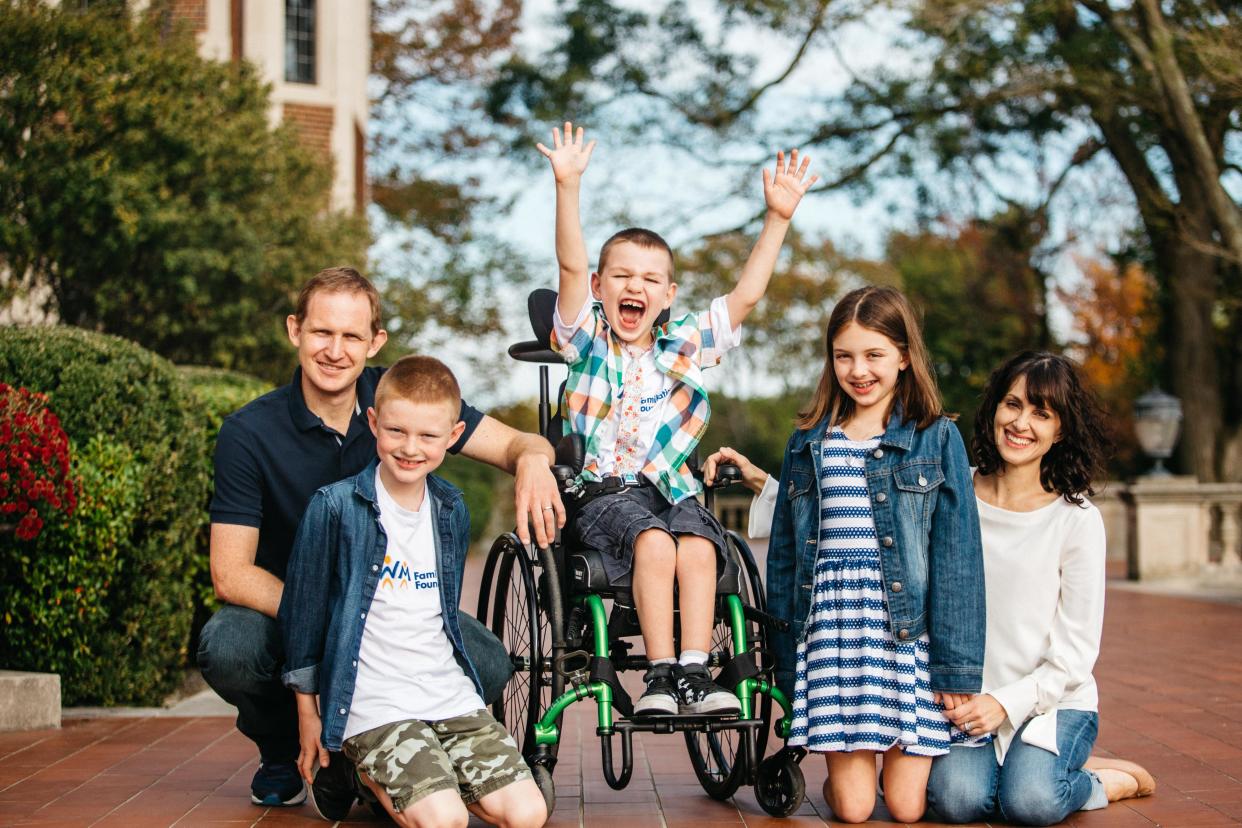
(967, 726)
(548, 509)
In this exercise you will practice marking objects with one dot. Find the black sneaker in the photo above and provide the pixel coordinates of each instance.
(699, 694)
(335, 789)
(277, 784)
(660, 697)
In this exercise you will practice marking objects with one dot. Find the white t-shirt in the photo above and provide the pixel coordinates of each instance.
(655, 387)
(406, 668)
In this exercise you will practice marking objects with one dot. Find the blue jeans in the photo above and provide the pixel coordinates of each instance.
(241, 658)
(1033, 787)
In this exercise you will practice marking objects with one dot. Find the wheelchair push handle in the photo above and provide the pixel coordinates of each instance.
(726, 475)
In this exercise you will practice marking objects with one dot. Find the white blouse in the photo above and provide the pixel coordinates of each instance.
(1045, 594)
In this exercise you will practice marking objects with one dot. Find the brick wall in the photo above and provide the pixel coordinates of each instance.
(314, 126)
(193, 12)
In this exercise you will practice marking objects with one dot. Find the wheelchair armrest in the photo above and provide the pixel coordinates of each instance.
(726, 475)
(564, 476)
(570, 455)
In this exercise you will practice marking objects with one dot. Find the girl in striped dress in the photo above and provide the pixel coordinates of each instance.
(877, 520)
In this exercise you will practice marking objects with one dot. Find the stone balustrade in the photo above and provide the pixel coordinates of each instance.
(1175, 527)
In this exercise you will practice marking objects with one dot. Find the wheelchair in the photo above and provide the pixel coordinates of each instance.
(547, 606)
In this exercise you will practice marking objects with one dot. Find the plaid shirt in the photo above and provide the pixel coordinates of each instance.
(683, 348)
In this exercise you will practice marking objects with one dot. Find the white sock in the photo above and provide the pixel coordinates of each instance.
(689, 657)
(654, 661)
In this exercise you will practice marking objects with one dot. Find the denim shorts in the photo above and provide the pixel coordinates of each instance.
(611, 523)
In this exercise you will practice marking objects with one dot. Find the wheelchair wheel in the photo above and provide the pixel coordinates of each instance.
(780, 786)
(718, 758)
(523, 623)
(543, 778)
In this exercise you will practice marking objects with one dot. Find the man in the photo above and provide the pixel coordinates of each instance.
(271, 456)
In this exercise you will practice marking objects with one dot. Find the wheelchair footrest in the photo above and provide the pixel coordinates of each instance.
(687, 722)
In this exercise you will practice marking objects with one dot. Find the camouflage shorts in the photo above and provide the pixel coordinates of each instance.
(472, 754)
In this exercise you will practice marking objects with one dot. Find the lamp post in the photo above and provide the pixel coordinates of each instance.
(1157, 423)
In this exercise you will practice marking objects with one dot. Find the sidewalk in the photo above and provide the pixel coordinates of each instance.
(1171, 698)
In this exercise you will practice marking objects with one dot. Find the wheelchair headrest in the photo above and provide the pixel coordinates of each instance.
(541, 304)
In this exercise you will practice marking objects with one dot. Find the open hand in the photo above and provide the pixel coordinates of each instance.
(783, 189)
(569, 156)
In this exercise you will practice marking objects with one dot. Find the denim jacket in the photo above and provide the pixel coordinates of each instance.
(923, 502)
(332, 576)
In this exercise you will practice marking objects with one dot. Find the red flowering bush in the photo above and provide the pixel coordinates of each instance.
(34, 462)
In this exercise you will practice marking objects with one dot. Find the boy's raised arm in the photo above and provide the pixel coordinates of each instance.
(782, 191)
(569, 157)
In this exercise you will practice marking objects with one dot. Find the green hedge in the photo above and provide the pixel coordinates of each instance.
(219, 394)
(107, 598)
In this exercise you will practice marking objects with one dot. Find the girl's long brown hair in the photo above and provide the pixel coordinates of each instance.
(886, 311)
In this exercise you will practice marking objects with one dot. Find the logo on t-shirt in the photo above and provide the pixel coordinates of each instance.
(648, 403)
(398, 575)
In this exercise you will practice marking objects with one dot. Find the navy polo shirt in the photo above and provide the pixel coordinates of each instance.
(274, 453)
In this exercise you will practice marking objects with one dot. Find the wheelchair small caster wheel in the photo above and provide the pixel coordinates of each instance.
(543, 778)
(779, 785)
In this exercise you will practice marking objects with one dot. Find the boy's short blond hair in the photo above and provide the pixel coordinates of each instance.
(419, 379)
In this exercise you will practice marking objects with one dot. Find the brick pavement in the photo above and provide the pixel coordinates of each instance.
(1171, 686)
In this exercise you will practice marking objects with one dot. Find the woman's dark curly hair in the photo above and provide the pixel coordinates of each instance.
(1052, 382)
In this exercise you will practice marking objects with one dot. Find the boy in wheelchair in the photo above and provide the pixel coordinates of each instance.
(635, 394)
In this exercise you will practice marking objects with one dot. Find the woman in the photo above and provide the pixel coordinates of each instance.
(1039, 441)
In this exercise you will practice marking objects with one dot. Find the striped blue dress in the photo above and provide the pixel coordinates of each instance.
(856, 687)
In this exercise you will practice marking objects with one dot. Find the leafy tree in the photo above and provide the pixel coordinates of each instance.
(785, 333)
(438, 170)
(998, 94)
(980, 299)
(143, 186)
(1115, 320)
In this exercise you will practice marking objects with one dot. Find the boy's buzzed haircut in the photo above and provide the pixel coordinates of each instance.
(638, 236)
(419, 379)
(340, 280)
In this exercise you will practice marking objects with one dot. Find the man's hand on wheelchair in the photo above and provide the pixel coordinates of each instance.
(753, 477)
(538, 500)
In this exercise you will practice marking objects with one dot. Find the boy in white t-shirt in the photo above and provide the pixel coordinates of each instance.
(373, 647)
(635, 393)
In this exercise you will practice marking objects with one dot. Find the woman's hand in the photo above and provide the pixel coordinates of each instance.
(981, 714)
(753, 477)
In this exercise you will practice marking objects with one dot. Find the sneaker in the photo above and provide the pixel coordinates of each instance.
(660, 697)
(335, 788)
(276, 784)
(699, 694)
